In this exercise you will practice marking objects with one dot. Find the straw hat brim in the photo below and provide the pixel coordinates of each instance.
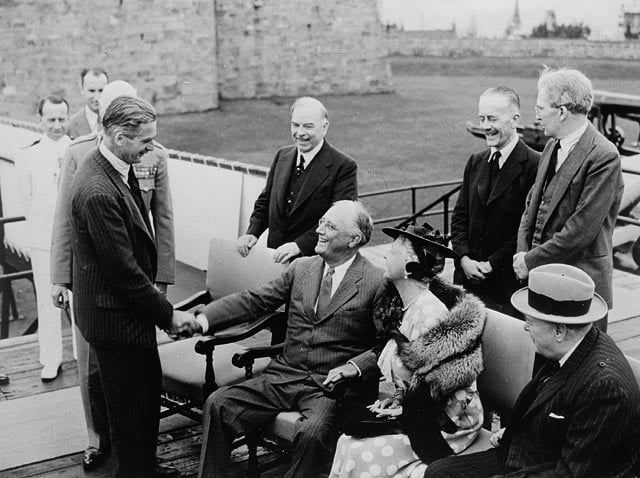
(439, 248)
(597, 310)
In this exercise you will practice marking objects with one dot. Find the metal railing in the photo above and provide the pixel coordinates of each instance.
(10, 273)
(425, 211)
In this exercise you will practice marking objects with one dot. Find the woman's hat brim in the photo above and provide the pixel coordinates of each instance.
(597, 310)
(439, 248)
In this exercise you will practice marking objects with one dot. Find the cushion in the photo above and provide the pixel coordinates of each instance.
(183, 369)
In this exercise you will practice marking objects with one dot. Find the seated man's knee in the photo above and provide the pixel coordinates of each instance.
(437, 469)
(316, 430)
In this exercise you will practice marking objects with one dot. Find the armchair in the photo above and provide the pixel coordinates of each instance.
(193, 368)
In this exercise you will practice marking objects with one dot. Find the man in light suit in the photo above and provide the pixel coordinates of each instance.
(87, 120)
(154, 184)
(330, 334)
(116, 303)
(579, 415)
(572, 207)
(38, 168)
(303, 181)
(485, 220)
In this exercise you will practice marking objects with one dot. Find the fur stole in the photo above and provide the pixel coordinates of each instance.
(448, 357)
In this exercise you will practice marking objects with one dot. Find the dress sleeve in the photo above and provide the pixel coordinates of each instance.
(464, 408)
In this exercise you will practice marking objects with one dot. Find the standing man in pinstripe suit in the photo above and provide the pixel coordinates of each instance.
(114, 269)
(330, 334)
(580, 415)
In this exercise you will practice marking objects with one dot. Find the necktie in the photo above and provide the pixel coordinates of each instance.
(546, 371)
(300, 167)
(134, 186)
(324, 296)
(553, 161)
(494, 168)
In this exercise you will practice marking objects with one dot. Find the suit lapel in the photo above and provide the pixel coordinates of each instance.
(511, 169)
(283, 173)
(116, 179)
(311, 285)
(318, 172)
(570, 167)
(483, 178)
(558, 380)
(347, 288)
(536, 193)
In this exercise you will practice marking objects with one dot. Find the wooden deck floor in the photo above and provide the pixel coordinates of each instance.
(179, 439)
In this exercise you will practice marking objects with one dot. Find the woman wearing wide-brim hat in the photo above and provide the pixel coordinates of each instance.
(419, 315)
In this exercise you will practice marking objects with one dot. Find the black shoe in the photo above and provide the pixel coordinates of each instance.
(92, 458)
(167, 471)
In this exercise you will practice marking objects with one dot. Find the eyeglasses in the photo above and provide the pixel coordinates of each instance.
(539, 108)
(327, 225)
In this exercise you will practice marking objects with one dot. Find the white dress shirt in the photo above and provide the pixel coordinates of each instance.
(569, 142)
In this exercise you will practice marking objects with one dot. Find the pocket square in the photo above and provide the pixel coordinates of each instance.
(557, 417)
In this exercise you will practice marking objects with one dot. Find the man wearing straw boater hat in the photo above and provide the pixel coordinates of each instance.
(580, 415)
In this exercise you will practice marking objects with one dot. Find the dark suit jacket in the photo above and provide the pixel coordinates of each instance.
(314, 345)
(152, 172)
(584, 205)
(585, 421)
(484, 225)
(78, 125)
(114, 261)
(331, 176)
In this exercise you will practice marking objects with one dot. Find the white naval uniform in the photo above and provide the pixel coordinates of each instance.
(38, 167)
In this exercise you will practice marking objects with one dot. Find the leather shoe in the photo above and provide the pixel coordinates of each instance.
(50, 372)
(92, 458)
(167, 471)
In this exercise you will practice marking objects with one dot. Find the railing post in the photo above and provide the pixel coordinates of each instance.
(445, 216)
(413, 200)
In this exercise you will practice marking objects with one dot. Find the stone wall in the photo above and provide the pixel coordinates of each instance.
(422, 43)
(164, 48)
(296, 47)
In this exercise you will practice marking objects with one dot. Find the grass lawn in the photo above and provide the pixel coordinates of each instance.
(415, 135)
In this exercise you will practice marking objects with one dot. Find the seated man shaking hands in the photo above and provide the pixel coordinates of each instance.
(579, 415)
(330, 298)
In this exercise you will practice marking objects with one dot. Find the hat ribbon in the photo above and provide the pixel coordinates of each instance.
(547, 305)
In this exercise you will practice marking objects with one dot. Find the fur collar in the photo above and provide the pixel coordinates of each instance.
(449, 356)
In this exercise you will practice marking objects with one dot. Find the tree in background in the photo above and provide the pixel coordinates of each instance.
(561, 31)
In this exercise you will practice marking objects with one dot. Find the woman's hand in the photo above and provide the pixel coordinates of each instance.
(495, 438)
(388, 407)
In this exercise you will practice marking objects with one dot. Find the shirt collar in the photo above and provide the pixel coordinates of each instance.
(506, 151)
(309, 155)
(566, 356)
(121, 166)
(570, 140)
(338, 272)
(92, 118)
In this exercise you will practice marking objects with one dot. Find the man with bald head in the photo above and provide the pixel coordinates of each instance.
(485, 220)
(304, 180)
(153, 177)
(329, 299)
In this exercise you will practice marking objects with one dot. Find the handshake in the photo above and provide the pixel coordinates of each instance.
(183, 324)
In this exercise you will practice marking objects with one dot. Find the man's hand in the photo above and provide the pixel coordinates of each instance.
(286, 252)
(472, 270)
(162, 288)
(245, 243)
(337, 374)
(60, 296)
(520, 266)
(183, 324)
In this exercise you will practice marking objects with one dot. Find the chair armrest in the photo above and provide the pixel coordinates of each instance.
(337, 389)
(247, 358)
(199, 298)
(234, 334)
